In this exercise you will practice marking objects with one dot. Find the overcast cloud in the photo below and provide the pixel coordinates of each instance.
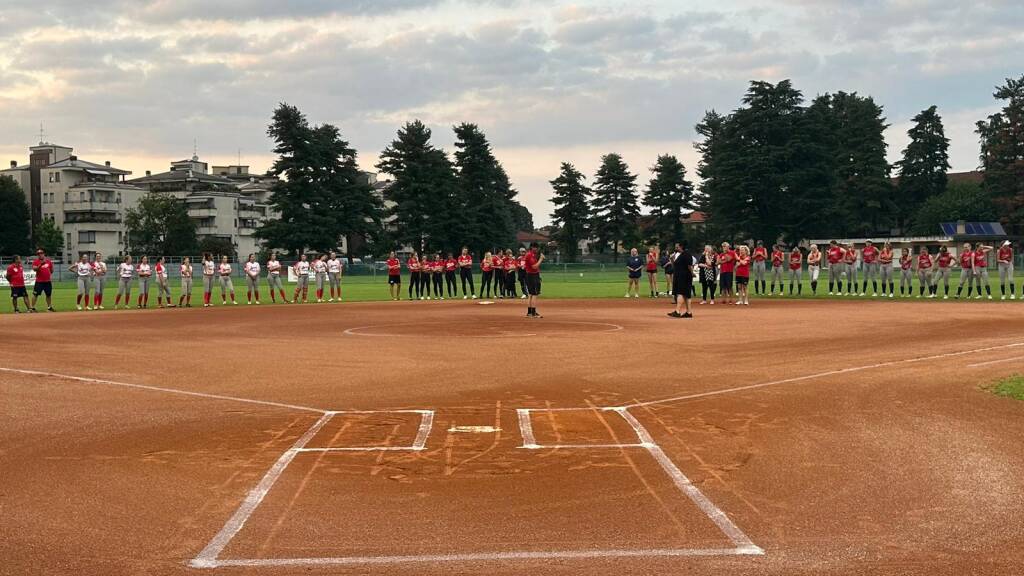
(135, 82)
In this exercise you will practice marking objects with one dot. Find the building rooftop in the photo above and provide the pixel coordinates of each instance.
(91, 167)
(182, 176)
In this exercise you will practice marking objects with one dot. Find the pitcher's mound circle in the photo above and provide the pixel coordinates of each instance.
(517, 328)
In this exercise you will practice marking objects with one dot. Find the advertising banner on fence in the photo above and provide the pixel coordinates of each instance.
(293, 277)
(30, 279)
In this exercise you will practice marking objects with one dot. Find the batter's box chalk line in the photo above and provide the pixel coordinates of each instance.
(209, 557)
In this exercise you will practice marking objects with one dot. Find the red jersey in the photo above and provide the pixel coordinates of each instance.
(16, 275)
(436, 266)
(485, 264)
(760, 254)
(509, 263)
(869, 254)
(835, 255)
(796, 258)
(980, 259)
(727, 261)
(885, 256)
(743, 267)
(967, 259)
(43, 268)
(521, 262)
(450, 265)
(777, 257)
(413, 265)
(924, 261)
(1005, 254)
(465, 261)
(652, 262)
(850, 256)
(532, 262)
(945, 259)
(906, 261)
(394, 267)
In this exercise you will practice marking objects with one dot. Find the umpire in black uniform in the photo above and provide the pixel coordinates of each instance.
(682, 282)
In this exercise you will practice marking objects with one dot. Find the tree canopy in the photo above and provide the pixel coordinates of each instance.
(15, 225)
(159, 225)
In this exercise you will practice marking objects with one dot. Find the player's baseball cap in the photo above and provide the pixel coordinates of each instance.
(1006, 242)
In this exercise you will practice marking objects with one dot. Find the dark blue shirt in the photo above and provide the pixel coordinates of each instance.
(634, 262)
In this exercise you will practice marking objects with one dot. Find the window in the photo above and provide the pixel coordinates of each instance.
(86, 237)
(69, 240)
(119, 239)
(56, 176)
(81, 196)
(67, 196)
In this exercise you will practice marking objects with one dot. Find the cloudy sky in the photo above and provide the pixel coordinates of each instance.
(136, 81)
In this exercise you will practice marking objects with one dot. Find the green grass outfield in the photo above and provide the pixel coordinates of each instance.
(558, 283)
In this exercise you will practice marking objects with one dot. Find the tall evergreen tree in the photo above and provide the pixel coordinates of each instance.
(615, 210)
(487, 195)
(424, 192)
(14, 219)
(1002, 153)
(159, 225)
(922, 171)
(712, 194)
(669, 195)
(571, 198)
(321, 196)
(522, 217)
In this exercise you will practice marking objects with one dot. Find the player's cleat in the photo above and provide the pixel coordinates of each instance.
(830, 294)
(874, 295)
(464, 296)
(978, 297)
(1003, 297)
(862, 294)
(235, 303)
(918, 296)
(79, 307)
(257, 302)
(945, 297)
(473, 296)
(99, 308)
(1013, 296)
(989, 296)
(890, 295)
(523, 297)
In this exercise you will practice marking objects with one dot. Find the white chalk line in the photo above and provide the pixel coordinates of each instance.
(255, 497)
(162, 389)
(526, 428)
(426, 423)
(357, 331)
(486, 557)
(995, 361)
(814, 376)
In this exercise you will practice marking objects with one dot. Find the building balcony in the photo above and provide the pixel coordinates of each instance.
(209, 231)
(91, 206)
(202, 212)
(92, 218)
(93, 225)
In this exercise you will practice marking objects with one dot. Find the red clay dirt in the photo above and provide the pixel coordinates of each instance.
(888, 459)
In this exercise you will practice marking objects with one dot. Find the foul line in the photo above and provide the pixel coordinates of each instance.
(160, 389)
(818, 375)
(208, 557)
(995, 361)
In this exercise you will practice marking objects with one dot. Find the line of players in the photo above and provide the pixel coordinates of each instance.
(435, 276)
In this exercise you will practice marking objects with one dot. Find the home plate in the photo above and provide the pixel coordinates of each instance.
(474, 429)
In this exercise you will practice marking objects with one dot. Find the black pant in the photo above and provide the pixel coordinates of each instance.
(414, 284)
(707, 288)
(499, 281)
(425, 283)
(510, 284)
(438, 284)
(467, 275)
(522, 280)
(485, 283)
(449, 281)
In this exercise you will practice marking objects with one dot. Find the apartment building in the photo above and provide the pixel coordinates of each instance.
(86, 199)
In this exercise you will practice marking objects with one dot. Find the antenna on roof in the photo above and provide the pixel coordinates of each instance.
(195, 149)
(239, 156)
(41, 134)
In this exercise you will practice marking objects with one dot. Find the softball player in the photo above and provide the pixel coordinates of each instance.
(906, 273)
(742, 276)
(334, 271)
(83, 274)
(227, 287)
(778, 256)
(796, 261)
(869, 255)
(1005, 262)
(850, 260)
(426, 275)
(814, 267)
(486, 275)
(944, 263)
(252, 280)
(835, 268)
(186, 283)
(652, 270)
(394, 276)
(437, 275)
(509, 263)
(521, 273)
(981, 269)
(450, 265)
(498, 268)
(885, 259)
(320, 274)
(209, 270)
(924, 272)
(99, 278)
(466, 273)
(966, 271)
(726, 265)
(413, 264)
(125, 272)
(301, 269)
(274, 279)
(145, 273)
(163, 288)
(759, 258)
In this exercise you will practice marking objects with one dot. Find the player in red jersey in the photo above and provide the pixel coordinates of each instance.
(1004, 260)
(394, 266)
(498, 267)
(726, 264)
(869, 256)
(759, 258)
(742, 271)
(413, 264)
(981, 269)
(437, 275)
(16, 279)
(943, 269)
(533, 260)
(885, 258)
(966, 271)
(486, 275)
(652, 270)
(850, 260)
(906, 273)
(466, 273)
(450, 267)
(509, 263)
(43, 267)
(778, 258)
(796, 268)
(835, 268)
(925, 263)
(521, 273)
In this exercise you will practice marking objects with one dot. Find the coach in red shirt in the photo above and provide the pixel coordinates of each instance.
(532, 262)
(16, 278)
(43, 268)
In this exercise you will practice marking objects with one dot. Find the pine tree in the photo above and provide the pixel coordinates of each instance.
(713, 195)
(571, 198)
(669, 195)
(1002, 153)
(615, 210)
(486, 193)
(922, 171)
(14, 219)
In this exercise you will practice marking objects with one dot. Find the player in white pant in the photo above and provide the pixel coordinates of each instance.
(334, 271)
(1004, 260)
(252, 279)
(227, 287)
(125, 273)
(186, 283)
(274, 279)
(209, 271)
(83, 275)
(99, 278)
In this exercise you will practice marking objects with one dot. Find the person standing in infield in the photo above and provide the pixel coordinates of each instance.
(16, 279)
(450, 265)
(320, 273)
(334, 270)
(682, 281)
(395, 276)
(43, 267)
(510, 273)
(966, 271)
(83, 276)
(665, 261)
(869, 255)
(301, 269)
(906, 273)
(652, 270)
(486, 274)
(743, 275)
(252, 279)
(145, 273)
(125, 273)
(521, 272)
(274, 278)
(227, 287)
(413, 264)
(925, 263)
(163, 287)
(796, 270)
(209, 271)
(533, 261)
(186, 283)
(814, 267)
(885, 258)
(759, 258)
(850, 259)
(498, 267)
(466, 273)
(944, 263)
(707, 267)
(778, 256)
(981, 269)
(1004, 259)
(633, 267)
(99, 277)
(726, 263)
(835, 268)
(437, 274)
